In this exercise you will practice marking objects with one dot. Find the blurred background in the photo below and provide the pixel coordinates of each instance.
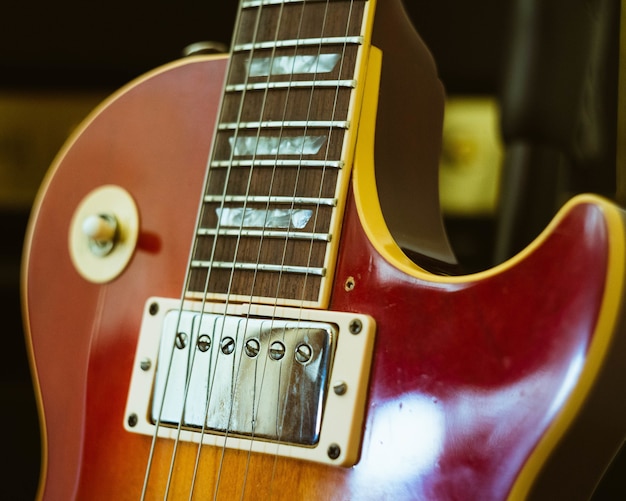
(532, 95)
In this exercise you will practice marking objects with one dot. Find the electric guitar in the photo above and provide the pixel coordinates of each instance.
(219, 302)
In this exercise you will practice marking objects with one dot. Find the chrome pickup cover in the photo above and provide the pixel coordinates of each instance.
(243, 376)
(282, 381)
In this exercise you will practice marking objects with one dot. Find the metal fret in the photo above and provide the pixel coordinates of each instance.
(258, 3)
(303, 42)
(351, 84)
(335, 164)
(293, 124)
(275, 268)
(291, 235)
(332, 202)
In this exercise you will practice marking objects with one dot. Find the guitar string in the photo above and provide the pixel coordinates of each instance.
(280, 412)
(337, 90)
(232, 272)
(321, 183)
(236, 374)
(276, 296)
(186, 290)
(254, 418)
(223, 326)
(281, 130)
(217, 346)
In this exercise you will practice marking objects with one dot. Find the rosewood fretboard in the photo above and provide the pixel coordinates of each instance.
(277, 177)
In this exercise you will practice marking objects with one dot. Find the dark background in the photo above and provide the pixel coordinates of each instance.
(103, 45)
(91, 46)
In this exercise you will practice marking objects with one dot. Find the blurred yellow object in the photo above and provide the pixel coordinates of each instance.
(471, 157)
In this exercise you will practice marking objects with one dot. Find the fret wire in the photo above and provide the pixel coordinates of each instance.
(275, 268)
(331, 202)
(291, 85)
(298, 43)
(258, 3)
(294, 124)
(337, 164)
(293, 235)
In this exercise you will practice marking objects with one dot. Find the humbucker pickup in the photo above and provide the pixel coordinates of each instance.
(283, 381)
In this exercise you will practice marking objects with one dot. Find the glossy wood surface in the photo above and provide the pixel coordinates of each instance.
(467, 375)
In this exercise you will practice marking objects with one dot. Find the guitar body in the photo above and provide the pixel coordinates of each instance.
(503, 384)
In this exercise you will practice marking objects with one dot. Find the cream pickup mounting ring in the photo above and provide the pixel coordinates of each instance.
(291, 382)
(103, 233)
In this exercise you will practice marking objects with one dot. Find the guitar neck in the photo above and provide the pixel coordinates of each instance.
(280, 165)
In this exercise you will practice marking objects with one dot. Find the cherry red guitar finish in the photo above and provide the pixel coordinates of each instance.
(469, 375)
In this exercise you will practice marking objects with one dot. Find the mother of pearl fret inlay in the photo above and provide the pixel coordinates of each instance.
(276, 145)
(263, 218)
(290, 65)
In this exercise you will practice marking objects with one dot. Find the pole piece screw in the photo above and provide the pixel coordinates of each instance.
(204, 343)
(277, 350)
(304, 353)
(227, 345)
(253, 347)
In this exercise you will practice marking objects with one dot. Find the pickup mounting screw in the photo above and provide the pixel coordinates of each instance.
(334, 451)
(340, 388)
(154, 308)
(145, 364)
(356, 326)
(132, 420)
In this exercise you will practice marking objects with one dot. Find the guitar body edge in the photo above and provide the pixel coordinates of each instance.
(167, 111)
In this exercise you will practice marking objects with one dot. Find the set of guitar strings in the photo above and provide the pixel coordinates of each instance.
(273, 201)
